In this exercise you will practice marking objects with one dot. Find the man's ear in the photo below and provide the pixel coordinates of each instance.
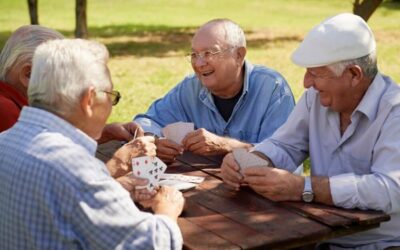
(25, 74)
(241, 53)
(87, 101)
(356, 73)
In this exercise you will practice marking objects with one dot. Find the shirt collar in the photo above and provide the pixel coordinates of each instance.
(10, 92)
(53, 123)
(370, 102)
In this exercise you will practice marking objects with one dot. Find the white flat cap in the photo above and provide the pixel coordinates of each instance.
(339, 38)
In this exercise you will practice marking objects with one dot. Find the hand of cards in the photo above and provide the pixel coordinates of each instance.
(177, 131)
(246, 159)
(152, 169)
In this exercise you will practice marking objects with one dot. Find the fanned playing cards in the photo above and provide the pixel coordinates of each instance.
(148, 167)
(177, 131)
(246, 159)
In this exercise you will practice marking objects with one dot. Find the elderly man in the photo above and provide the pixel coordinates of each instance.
(231, 102)
(347, 122)
(54, 193)
(15, 70)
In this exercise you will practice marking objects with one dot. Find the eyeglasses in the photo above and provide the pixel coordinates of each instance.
(207, 55)
(115, 96)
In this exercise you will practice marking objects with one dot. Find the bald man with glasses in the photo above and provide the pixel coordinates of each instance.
(231, 102)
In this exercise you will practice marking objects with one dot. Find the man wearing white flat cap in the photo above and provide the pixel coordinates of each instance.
(348, 123)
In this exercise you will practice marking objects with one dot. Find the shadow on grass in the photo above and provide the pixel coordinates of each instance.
(157, 40)
(392, 5)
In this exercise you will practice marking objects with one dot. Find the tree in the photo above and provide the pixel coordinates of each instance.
(81, 29)
(33, 11)
(365, 8)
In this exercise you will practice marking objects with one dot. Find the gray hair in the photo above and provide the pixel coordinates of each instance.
(63, 69)
(367, 63)
(21, 45)
(234, 35)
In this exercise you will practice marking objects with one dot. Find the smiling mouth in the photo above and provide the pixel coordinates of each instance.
(207, 73)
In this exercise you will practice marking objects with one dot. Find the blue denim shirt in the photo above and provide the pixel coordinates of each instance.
(264, 106)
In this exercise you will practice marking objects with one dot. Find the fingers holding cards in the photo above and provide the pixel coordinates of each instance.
(150, 168)
(177, 131)
(246, 159)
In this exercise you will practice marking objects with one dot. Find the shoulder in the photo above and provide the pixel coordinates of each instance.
(9, 113)
(189, 84)
(267, 75)
(67, 158)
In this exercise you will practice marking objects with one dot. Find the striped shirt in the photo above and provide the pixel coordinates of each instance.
(54, 194)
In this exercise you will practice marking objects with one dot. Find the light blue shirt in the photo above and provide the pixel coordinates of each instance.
(363, 165)
(54, 194)
(264, 105)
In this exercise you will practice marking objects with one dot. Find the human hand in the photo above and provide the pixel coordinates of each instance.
(121, 132)
(120, 163)
(129, 182)
(167, 150)
(230, 172)
(274, 184)
(168, 201)
(203, 142)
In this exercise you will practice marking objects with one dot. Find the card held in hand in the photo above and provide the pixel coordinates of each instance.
(150, 168)
(177, 131)
(246, 159)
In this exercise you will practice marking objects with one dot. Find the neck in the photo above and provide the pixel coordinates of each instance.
(233, 88)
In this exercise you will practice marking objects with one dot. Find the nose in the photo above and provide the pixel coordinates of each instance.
(199, 61)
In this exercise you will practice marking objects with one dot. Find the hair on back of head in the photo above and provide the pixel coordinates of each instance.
(63, 69)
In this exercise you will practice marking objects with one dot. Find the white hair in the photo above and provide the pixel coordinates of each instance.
(367, 63)
(21, 45)
(63, 69)
(234, 35)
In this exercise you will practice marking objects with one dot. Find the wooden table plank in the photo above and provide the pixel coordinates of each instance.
(337, 216)
(196, 237)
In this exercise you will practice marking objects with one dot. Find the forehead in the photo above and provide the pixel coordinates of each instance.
(209, 36)
(319, 71)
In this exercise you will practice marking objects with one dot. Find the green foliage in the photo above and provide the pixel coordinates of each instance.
(148, 39)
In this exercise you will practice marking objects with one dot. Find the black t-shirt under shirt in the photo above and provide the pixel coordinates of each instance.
(225, 106)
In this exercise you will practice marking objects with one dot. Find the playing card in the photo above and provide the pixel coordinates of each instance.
(181, 177)
(246, 159)
(177, 131)
(180, 185)
(150, 168)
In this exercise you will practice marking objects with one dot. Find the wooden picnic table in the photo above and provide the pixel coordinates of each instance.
(217, 217)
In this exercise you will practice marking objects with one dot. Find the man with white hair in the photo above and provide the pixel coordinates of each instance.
(15, 70)
(231, 102)
(347, 122)
(54, 193)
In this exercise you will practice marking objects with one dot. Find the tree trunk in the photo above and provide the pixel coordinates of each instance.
(81, 30)
(33, 11)
(365, 8)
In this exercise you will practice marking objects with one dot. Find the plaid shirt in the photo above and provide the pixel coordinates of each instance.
(54, 194)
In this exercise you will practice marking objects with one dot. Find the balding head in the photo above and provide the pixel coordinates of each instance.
(228, 31)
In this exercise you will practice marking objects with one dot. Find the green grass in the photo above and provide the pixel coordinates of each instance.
(147, 40)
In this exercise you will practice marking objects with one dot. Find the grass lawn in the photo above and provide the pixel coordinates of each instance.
(148, 39)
